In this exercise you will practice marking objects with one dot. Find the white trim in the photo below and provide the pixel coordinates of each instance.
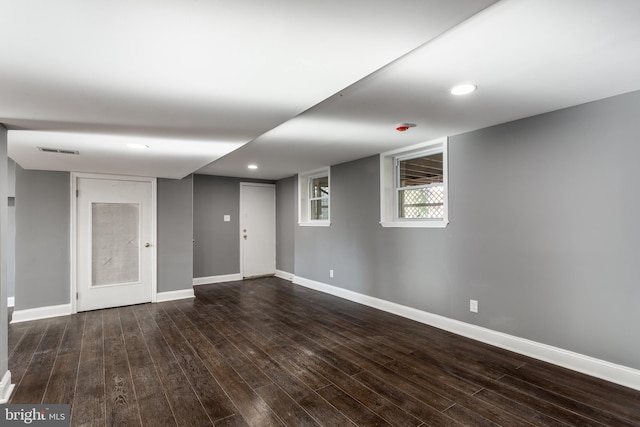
(303, 197)
(174, 295)
(11, 301)
(316, 223)
(40, 313)
(417, 224)
(284, 275)
(154, 239)
(73, 264)
(415, 148)
(73, 289)
(588, 365)
(197, 281)
(6, 388)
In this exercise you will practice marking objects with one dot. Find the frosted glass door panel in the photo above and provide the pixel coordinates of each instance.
(115, 243)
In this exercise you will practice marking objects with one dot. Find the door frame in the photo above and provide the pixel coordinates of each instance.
(73, 230)
(241, 221)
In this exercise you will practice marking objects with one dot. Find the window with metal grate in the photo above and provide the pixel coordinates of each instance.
(413, 186)
(420, 186)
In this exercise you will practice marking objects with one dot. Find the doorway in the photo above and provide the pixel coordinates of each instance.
(114, 227)
(257, 229)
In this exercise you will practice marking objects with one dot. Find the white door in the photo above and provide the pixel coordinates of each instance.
(115, 234)
(258, 229)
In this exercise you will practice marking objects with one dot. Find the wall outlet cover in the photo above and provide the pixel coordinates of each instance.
(473, 306)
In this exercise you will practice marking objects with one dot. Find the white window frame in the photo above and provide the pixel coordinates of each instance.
(304, 201)
(388, 190)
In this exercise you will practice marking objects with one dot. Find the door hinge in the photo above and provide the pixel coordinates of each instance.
(77, 295)
(77, 193)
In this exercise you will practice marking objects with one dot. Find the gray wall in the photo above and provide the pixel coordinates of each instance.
(216, 249)
(543, 232)
(11, 230)
(188, 209)
(175, 234)
(286, 219)
(42, 238)
(4, 318)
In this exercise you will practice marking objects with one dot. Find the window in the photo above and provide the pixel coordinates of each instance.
(319, 198)
(413, 186)
(420, 187)
(314, 197)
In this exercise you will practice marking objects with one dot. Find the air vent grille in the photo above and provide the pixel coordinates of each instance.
(58, 150)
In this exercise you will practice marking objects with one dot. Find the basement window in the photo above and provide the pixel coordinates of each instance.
(314, 198)
(413, 186)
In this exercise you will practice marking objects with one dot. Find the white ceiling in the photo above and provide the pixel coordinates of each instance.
(211, 86)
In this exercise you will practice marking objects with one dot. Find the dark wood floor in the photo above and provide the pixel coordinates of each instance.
(265, 352)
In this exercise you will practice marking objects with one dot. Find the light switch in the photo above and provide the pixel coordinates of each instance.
(227, 218)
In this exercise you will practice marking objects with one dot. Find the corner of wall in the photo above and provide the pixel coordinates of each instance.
(5, 383)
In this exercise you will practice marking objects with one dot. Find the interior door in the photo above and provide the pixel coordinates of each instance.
(115, 234)
(258, 229)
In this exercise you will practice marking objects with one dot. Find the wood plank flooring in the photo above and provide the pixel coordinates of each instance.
(265, 352)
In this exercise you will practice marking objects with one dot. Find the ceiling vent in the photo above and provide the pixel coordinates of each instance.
(58, 150)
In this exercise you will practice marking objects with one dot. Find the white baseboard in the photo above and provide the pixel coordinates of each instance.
(174, 295)
(197, 281)
(11, 301)
(284, 275)
(40, 313)
(618, 374)
(6, 388)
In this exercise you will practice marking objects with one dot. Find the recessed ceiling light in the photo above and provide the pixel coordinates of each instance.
(138, 146)
(463, 89)
(253, 166)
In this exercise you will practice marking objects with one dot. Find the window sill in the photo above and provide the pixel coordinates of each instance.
(414, 224)
(315, 224)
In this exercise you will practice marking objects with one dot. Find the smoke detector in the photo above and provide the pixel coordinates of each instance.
(403, 127)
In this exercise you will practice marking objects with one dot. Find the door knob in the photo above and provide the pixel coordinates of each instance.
(146, 245)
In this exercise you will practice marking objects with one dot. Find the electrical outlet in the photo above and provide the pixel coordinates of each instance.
(331, 273)
(473, 306)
